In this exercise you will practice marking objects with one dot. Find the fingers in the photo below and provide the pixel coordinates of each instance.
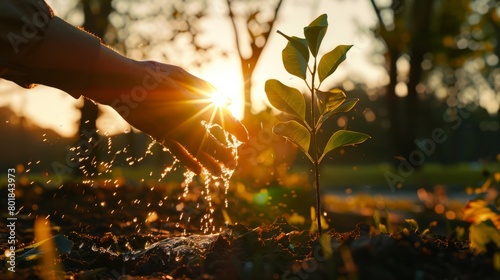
(213, 166)
(172, 114)
(217, 149)
(236, 128)
(182, 155)
(209, 155)
(232, 125)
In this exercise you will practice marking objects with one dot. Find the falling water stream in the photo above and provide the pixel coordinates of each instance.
(178, 245)
(209, 181)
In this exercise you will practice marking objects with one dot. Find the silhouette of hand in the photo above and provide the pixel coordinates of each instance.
(172, 105)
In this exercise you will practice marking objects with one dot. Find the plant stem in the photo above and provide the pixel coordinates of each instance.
(315, 150)
(318, 196)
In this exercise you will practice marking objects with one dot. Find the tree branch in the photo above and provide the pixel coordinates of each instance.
(235, 29)
(271, 23)
(378, 13)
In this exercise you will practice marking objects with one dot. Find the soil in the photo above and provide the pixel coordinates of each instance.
(108, 233)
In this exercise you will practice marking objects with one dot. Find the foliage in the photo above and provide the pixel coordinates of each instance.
(302, 131)
(449, 53)
(485, 224)
(484, 215)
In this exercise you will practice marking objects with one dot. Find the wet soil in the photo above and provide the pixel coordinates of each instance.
(135, 232)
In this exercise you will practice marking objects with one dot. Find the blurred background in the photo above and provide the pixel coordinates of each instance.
(418, 67)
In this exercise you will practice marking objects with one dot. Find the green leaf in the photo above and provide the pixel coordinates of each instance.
(382, 228)
(286, 99)
(478, 210)
(331, 60)
(295, 132)
(326, 243)
(346, 106)
(295, 56)
(315, 32)
(330, 100)
(344, 138)
(413, 224)
(294, 62)
(481, 235)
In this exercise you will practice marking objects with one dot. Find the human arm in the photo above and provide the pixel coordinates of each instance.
(161, 100)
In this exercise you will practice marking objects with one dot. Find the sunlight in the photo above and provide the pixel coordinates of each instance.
(220, 99)
(229, 89)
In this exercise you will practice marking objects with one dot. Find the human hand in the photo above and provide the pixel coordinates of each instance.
(170, 105)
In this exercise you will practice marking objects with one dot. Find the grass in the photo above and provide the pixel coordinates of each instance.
(333, 177)
(456, 176)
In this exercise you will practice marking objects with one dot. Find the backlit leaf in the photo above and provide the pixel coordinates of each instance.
(481, 235)
(331, 60)
(315, 32)
(294, 62)
(477, 211)
(344, 107)
(295, 132)
(344, 138)
(285, 98)
(413, 224)
(330, 100)
(295, 56)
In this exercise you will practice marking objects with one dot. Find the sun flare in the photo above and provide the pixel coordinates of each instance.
(229, 91)
(220, 99)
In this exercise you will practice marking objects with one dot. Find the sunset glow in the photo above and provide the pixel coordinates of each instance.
(229, 90)
(219, 99)
(50, 108)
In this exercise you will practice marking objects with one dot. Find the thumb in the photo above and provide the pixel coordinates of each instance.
(234, 126)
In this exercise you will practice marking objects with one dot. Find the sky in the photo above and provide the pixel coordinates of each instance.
(348, 24)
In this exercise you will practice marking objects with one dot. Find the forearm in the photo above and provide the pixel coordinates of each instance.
(39, 48)
(76, 62)
(64, 59)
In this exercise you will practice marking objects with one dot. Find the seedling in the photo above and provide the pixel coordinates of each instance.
(300, 131)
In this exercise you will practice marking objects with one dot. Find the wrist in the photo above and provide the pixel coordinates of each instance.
(76, 62)
(112, 76)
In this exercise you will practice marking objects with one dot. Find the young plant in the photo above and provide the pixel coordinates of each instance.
(301, 131)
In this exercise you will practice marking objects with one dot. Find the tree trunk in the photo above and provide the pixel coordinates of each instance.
(247, 71)
(393, 101)
(87, 154)
(248, 63)
(96, 21)
(419, 46)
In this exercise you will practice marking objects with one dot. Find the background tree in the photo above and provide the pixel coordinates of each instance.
(252, 23)
(426, 36)
(95, 13)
